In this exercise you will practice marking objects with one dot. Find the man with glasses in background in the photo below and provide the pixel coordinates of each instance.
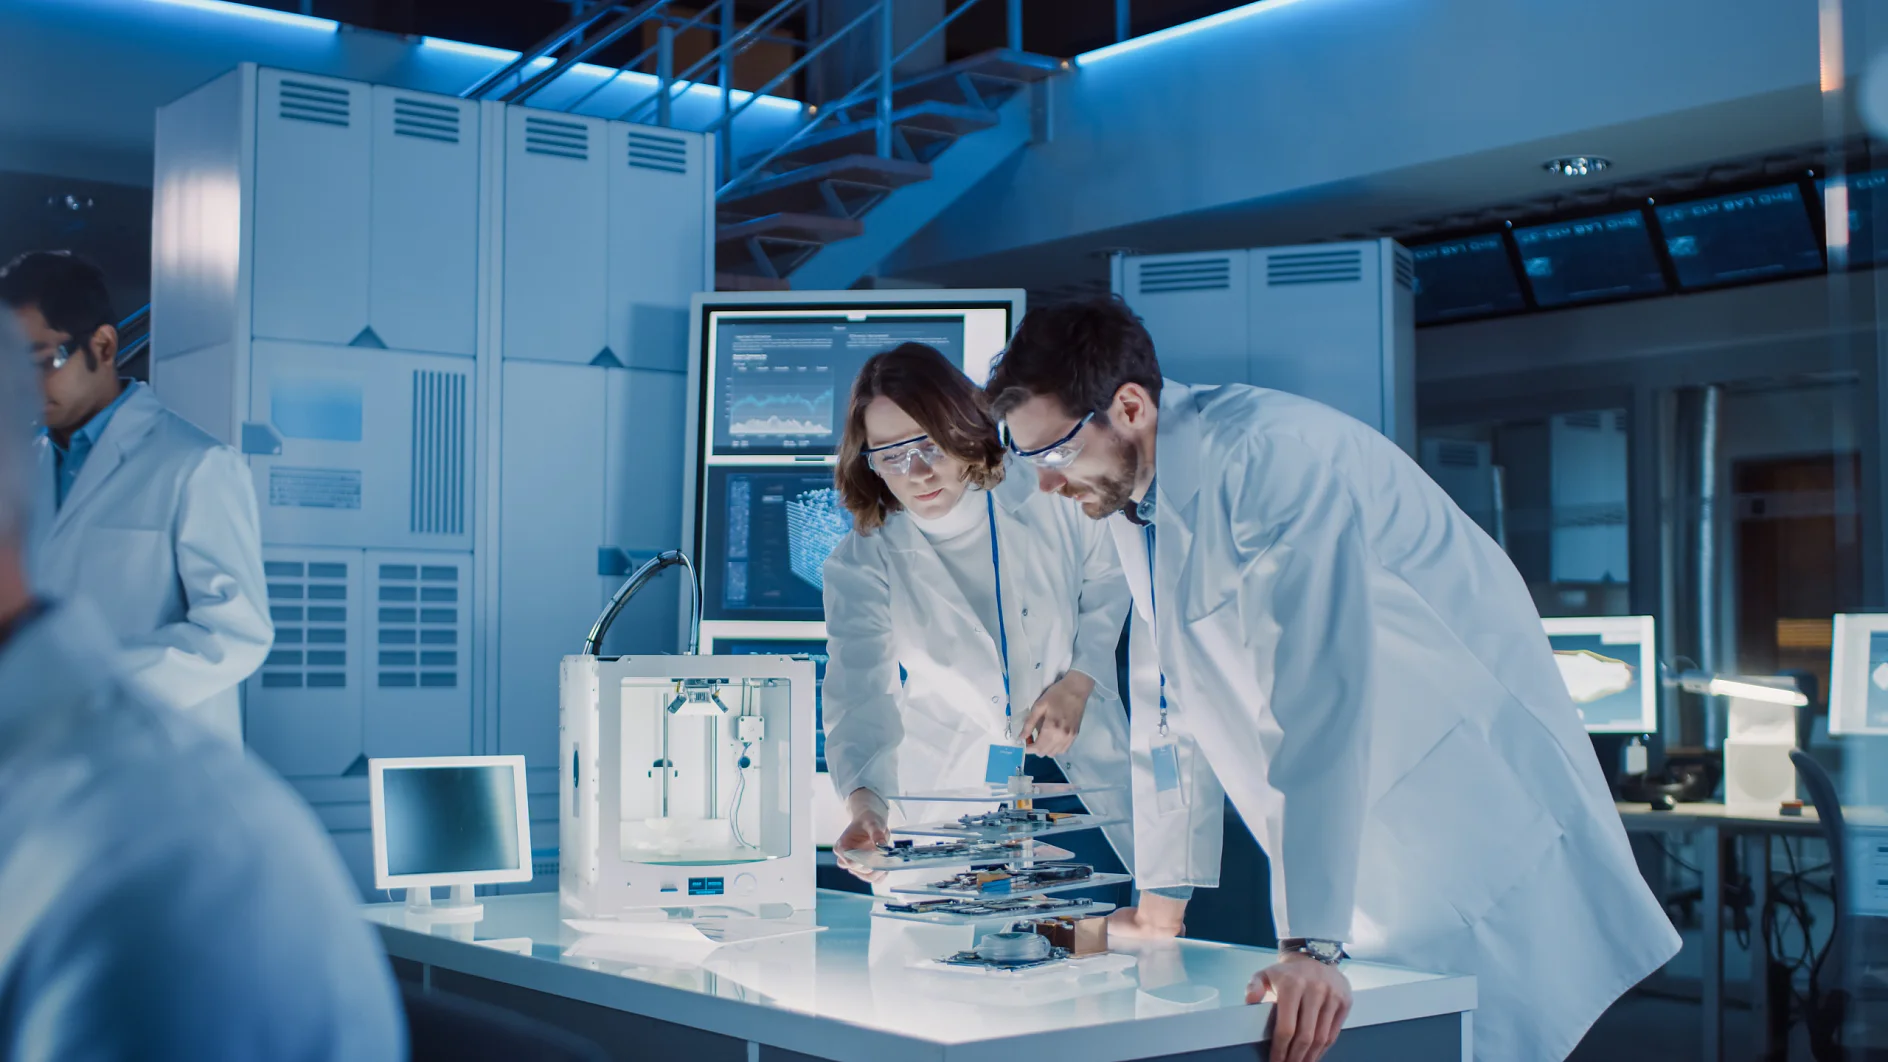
(150, 518)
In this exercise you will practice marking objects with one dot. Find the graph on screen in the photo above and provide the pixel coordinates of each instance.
(780, 404)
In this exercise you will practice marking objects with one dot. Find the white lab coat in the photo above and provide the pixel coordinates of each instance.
(160, 531)
(166, 896)
(890, 601)
(1364, 671)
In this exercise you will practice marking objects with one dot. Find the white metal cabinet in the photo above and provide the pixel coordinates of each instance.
(366, 448)
(423, 250)
(418, 689)
(312, 216)
(551, 475)
(303, 708)
(658, 242)
(1194, 305)
(644, 425)
(556, 237)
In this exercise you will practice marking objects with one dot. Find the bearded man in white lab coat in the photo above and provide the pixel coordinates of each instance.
(138, 510)
(162, 896)
(1320, 630)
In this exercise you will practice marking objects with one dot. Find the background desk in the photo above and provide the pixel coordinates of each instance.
(1753, 829)
(849, 994)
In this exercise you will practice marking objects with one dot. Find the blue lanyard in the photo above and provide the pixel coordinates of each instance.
(1002, 628)
(1147, 533)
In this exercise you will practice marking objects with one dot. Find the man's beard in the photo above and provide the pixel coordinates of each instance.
(1114, 493)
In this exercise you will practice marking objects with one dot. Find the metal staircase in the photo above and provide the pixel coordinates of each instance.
(795, 214)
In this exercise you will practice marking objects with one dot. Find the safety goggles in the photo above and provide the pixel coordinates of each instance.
(894, 459)
(60, 355)
(1058, 454)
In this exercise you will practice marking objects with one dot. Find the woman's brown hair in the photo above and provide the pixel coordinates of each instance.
(947, 406)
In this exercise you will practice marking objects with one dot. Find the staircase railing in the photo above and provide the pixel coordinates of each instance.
(879, 83)
(138, 326)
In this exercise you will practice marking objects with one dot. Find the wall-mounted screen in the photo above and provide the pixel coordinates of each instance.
(779, 379)
(1744, 236)
(768, 534)
(1606, 257)
(1469, 277)
(1866, 197)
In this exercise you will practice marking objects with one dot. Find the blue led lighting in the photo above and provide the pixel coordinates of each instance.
(259, 14)
(1135, 44)
(598, 73)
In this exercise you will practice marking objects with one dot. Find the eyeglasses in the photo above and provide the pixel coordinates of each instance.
(1058, 454)
(894, 459)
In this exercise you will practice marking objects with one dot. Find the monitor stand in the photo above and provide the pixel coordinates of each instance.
(460, 908)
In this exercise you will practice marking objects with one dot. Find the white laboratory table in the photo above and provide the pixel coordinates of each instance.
(852, 994)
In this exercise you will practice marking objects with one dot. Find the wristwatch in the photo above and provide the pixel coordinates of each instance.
(1328, 952)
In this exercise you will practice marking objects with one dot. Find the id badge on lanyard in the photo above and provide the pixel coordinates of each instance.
(1005, 760)
(1169, 794)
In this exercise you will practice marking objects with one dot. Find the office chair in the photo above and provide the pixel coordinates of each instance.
(1828, 986)
(448, 1028)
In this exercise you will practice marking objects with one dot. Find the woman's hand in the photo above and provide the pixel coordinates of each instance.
(864, 834)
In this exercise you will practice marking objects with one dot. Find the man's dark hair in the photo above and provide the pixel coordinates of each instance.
(1081, 352)
(69, 291)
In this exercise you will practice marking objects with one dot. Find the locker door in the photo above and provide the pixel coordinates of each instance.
(550, 527)
(423, 273)
(643, 455)
(361, 447)
(314, 146)
(303, 708)
(1195, 308)
(419, 689)
(658, 242)
(556, 260)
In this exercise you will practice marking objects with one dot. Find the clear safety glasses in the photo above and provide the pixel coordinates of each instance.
(894, 459)
(1058, 454)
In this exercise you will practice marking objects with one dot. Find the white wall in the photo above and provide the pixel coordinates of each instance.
(1303, 94)
(81, 78)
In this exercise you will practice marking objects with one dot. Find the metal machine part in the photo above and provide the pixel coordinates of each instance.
(903, 855)
(636, 581)
(1006, 881)
(1008, 823)
(1019, 906)
(1011, 949)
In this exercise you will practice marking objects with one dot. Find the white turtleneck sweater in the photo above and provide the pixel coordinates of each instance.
(961, 538)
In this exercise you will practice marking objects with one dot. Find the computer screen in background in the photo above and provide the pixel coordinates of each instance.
(1744, 236)
(1610, 665)
(1606, 257)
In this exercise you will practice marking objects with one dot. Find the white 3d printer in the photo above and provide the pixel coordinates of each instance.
(686, 780)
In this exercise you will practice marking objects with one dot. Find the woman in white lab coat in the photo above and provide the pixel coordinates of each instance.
(916, 588)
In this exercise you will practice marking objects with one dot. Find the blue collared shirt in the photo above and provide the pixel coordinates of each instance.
(1144, 509)
(68, 460)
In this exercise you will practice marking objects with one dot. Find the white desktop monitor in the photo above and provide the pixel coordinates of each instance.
(449, 820)
(1610, 665)
(1858, 676)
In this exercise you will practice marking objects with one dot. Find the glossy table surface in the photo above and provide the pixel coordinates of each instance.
(860, 989)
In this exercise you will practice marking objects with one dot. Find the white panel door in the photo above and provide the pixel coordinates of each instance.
(556, 260)
(643, 456)
(658, 242)
(419, 686)
(423, 292)
(303, 708)
(1317, 325)
(1194, 305)
(314, 148)
(551, 525)
(361, 447)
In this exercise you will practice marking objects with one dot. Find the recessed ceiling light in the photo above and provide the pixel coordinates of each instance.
(1577, 165)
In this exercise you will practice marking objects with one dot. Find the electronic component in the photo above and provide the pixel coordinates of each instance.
(1078, 936)
(1004, 881)
(1009, 823)
(903, 855)
(1020, 906)
(1011, 949)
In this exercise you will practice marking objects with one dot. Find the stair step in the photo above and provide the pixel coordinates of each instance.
(749, 282)
(923, 122)
(818, 229)
(1000, 71)
(859, 180)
